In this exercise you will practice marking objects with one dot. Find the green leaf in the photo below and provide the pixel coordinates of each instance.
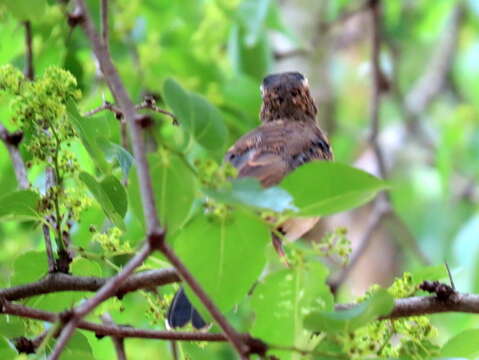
(197, 115)
(26, 9)
(248, 191)
(283, 298)
(178, 99)
(380, 303)
(431, 273)
(116, 152)
(253, 60)
(19, 206)
(78, 348)
(29, 267)
(324, 188)
(214, 250)
(174, 187)
(116, 192)
(462, 345)
(11, 326)
(110, 194)
(207, 126)
(89, 130)
(6, 351)
(252, 15)
(85, 267)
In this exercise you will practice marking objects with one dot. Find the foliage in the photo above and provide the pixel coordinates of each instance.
(203, 61)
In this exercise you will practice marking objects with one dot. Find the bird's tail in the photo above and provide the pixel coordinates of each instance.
(181, 312)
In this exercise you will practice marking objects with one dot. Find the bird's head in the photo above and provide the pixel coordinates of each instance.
(286, 96)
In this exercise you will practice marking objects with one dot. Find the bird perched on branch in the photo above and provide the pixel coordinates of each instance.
(288, 137)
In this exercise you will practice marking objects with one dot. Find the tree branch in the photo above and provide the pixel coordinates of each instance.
(11, 141)
(63, 282)
(148, 103)
(29, 70)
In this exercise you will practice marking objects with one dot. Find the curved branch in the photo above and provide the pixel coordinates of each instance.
(425, 305)
(56, 282)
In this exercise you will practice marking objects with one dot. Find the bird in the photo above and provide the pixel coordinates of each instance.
(288, 137)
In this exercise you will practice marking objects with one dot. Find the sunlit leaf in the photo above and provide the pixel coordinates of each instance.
(380, 303)
(26, 9)
(283, 298)
(174, 186)
(89, 130)
(29, 267)
(216, 251)
(110, 194)
(6, 351)
(19, 206)
(323, 188)
(462, 345)
(248, 191)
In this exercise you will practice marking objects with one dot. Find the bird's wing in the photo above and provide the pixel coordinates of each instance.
(272, 150)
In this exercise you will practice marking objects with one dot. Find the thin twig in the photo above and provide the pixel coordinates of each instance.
(48, 246)
(118, 341)
(11, 141)
(29, 70)
(148, 104)
(105, 106)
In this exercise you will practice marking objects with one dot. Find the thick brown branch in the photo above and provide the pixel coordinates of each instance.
(63, 282)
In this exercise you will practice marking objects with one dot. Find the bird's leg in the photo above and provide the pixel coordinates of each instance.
(278, 246)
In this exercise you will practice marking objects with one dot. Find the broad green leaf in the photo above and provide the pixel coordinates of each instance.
(110, 194)
(29, 267)
(19, 205)
(208, 125)
(85, 267)
(174, 187)
(115, 152)
(462, 345)
(248, 191)
(78, 348)
(203, 120)
(11, 326)
(283, 298)
(324, 188)
(26, 9)
(89, 130)
(431, 273)
(178, 99)
(253, 60)
(6, 351)
(380, 303)
(252, 15)
(226, 257)
(116, 193)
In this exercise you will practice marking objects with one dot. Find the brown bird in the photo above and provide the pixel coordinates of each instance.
(288, 137)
